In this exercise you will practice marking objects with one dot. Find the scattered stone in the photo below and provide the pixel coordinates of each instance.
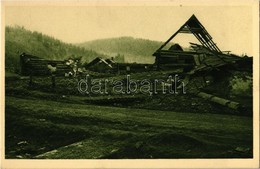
(98, 157)
(47, 154)
(242, 149)
(194, 104)
(114, 150)
(22, 143)
(43, 148)
(27, 155)
(79, 145)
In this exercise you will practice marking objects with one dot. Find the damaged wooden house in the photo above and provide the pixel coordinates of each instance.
(110, 66)
(204, 64)
(101, 65)
(36, 66)
(200, 57)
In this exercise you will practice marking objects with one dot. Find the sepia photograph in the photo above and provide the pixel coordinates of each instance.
(130, 81)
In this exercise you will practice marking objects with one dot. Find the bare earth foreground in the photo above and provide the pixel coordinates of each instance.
(34, 127)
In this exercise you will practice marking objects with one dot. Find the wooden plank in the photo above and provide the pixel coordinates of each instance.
(221, 101)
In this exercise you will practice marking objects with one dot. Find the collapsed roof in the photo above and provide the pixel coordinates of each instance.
(193, 26)
(201, 57)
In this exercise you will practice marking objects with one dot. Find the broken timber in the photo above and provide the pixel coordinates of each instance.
(221, 101)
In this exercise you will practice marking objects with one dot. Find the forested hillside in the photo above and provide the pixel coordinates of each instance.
(133, 49)
(19, 40)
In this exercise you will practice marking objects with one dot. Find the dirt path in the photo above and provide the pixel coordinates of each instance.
(34, 127)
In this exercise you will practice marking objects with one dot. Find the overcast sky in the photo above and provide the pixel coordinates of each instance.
(230, 26)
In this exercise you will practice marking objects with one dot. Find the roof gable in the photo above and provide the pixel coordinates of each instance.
(193, 26)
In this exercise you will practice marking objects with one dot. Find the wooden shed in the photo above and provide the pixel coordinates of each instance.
(36, 66)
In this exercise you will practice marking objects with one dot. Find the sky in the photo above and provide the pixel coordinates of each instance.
(230, 26)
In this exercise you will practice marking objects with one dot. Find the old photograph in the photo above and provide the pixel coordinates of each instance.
(138, 81)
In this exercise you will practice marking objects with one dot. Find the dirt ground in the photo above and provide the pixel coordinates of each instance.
(44, 123)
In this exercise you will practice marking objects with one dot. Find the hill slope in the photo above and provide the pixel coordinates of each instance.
(19, 40)
(133, 49)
